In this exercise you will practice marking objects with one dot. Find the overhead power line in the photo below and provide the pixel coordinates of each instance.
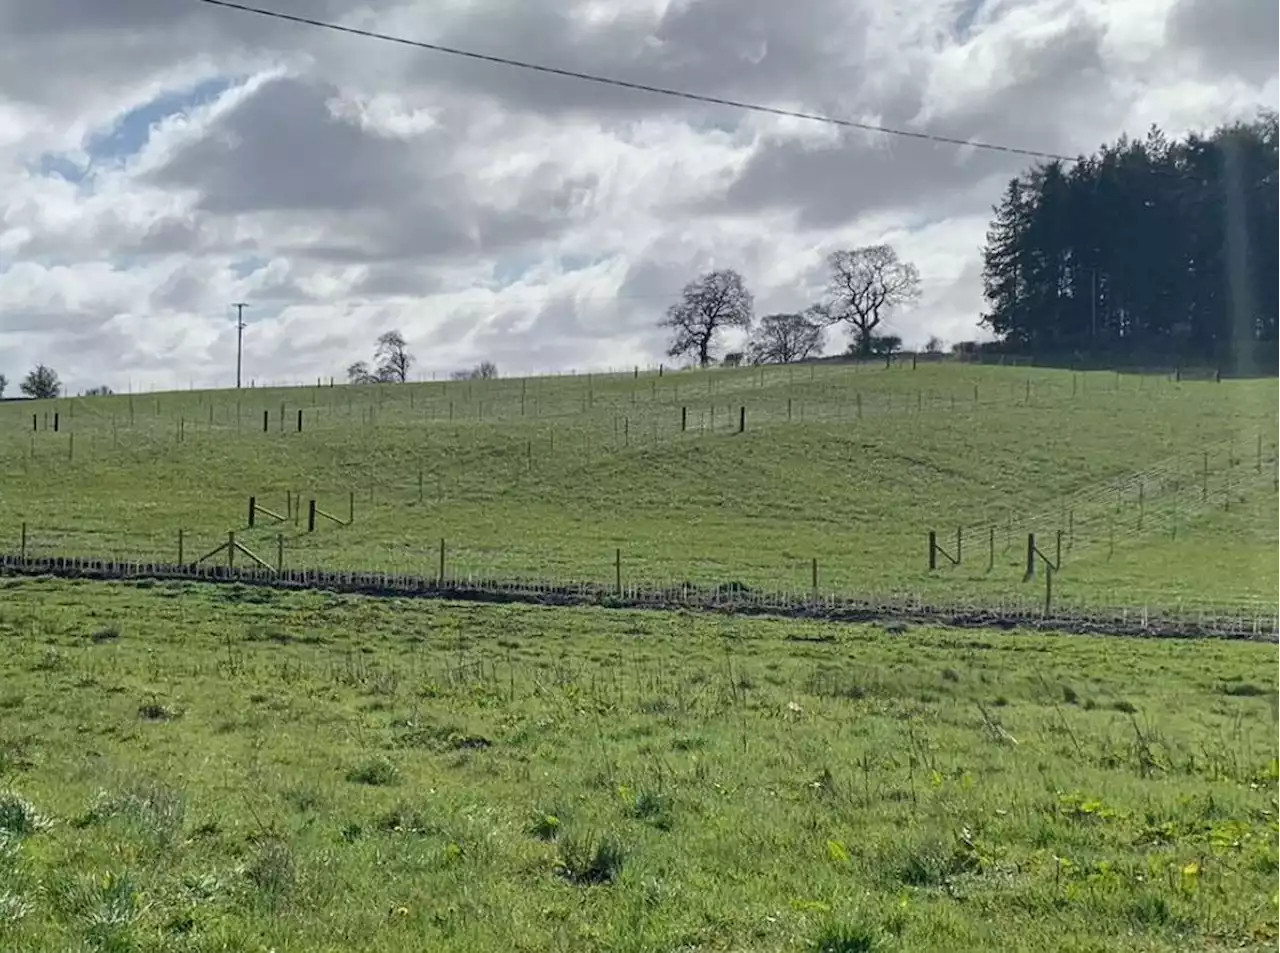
(640, 87)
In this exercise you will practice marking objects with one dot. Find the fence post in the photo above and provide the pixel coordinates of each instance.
(814, 574)
(266, 420)
(253, 510)
(419, 484)
(1204, 479)
(311, 516)
(351, 506)
(913, 360)
(1142, 487)
(857, 397)
(231, 549)
(300, 418)
(742, 419)
(23, 551)
(1031, 555)
(1071, 529)
(1259, 453)
(71, 446)
(788, 410)
(959, 533)
(35, 422)
(440, 576)
(280, 553)
(684, 417)
(55, 421)
(1048, 590)
(1057, 562)
(617, 570)
(933, 550)
(626, 431)
(991, 548)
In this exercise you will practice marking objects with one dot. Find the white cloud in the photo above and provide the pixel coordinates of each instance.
(345, 186)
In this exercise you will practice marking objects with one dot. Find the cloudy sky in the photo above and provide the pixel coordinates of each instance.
(160, 159)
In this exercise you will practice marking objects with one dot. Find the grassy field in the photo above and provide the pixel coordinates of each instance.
(1164, 490)
(196, 768)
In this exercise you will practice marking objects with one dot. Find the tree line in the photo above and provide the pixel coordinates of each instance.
(1149, 248)
(864, 287)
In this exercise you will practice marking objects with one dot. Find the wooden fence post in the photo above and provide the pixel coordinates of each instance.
(814, 575)
(419, 484)
(231, 549)
(266, 420)
(300, 419)
(991, 548)
(742, 419)
(55, 421)
(253, 510)
(440, 576)
(857, 398)
(23, 550)
(280, 553)
(1071, 529)
(1031, 555)
(1048, 590)
(959, 535)
(351, 505)
(1057, 562)
(788, 410)
(617, 570)
(311, 516)
(180, 542)
(933, 550)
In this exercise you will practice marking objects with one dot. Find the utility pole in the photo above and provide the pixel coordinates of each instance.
(239, 306)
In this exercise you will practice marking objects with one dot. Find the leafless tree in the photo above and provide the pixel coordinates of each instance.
(866, 285)
(102, 390)
(934, 345)
(784, 338)
(484, 371)
(717, 300)
(358, 373)
(393, 358)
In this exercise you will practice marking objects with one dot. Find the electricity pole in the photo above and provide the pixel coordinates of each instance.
(239, 306)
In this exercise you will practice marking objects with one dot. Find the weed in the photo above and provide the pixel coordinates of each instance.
(545, 826)
(1245, 690)
(378, 772)
(589, 860)
(155, 711)
(1069, 695)
(271, 871)
(845, 938)
(19, 817)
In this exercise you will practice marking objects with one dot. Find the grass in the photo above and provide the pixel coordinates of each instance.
(237, 769)
(1156, 485)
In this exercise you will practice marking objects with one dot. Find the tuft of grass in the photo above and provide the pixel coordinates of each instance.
(843, 937)
(377, 772)
(19, 817)
(154, 710)
(271, 871)
(588, 860)
(1245, 690)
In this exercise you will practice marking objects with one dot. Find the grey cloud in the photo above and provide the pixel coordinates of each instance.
(283, 151)
(831, 184)
(1238, 38)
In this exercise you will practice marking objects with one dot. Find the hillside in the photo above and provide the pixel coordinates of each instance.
(1164, 490)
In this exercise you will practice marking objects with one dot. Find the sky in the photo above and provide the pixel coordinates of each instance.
(162, 159)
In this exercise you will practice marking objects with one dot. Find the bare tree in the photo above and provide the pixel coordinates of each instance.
(393, 358)
(719, 299)
(934, 345)
(784, 338)
(102, 390)
(866, 285)
(41, 383)
(4, 382)
(484, 371)
(358, 373)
